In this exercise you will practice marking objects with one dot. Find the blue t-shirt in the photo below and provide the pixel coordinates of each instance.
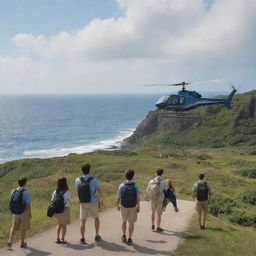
(94, 185)
(122, 186)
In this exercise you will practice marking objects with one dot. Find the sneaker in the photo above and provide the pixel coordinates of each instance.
(57, 241)
(176, 209)
(97, 238)
(153, 227)
(23, 245)
(9, 245)
(159, 230)
(129, 241)
(63, 241)
(82, 241)
(123, 238)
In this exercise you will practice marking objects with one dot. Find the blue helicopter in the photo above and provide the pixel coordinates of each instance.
(186, 100)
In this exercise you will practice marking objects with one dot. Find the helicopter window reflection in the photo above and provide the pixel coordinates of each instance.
(176, 100)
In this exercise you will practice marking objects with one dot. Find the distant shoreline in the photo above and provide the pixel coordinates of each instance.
(108, 145)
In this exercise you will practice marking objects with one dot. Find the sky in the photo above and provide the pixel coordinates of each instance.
(117, 46)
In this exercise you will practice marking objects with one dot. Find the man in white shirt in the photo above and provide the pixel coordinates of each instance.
(155, 191)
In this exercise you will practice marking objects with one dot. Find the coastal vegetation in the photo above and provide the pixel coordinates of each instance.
(219, 142)
(230, 205)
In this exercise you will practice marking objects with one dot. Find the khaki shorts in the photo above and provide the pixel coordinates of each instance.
(129, 214)
(202, 206)
(85, 208)
(64, 217)
(157, 206)
(21, 221)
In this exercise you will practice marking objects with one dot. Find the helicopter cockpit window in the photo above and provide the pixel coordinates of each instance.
(176, 100)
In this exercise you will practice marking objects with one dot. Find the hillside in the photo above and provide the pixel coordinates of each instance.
(221, 144)
(208, 126)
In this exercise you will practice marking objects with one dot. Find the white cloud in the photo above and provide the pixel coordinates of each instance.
(153, 41)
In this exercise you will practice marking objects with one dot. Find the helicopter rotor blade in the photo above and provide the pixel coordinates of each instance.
(210, 81)
(162, 84)
(178, 84)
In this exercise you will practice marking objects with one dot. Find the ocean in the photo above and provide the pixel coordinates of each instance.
(44, 126)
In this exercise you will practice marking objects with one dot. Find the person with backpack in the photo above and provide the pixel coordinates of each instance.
(128, 203)
(155, 192)
(169, 196)
(86, 187)
(20, 206)
(201, 191)
(60, 203)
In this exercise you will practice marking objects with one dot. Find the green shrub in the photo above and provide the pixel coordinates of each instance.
(243, 218)
(248, 197)
(249, 173)
(221, 205)
(204, 157)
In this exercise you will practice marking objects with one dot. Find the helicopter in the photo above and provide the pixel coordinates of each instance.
(186, 100)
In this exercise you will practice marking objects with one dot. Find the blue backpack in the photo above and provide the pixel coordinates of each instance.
(129, 195)
(17, 205)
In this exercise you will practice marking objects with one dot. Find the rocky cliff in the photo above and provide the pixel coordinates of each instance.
(213, 126)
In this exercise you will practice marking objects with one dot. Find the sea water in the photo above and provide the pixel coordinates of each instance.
(57, 125)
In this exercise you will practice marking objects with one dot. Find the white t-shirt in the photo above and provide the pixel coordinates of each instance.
(67, 196)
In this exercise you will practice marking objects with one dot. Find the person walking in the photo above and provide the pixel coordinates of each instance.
(128, 203)
(201, 191)
(155, 191)
(20, 205)
(63, 218)
(86, 187)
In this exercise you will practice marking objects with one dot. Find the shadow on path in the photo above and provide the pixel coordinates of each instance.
(80, 247)
(112, 246)
(156, 242)
(34, 252)
(167, 232)
(149, 251)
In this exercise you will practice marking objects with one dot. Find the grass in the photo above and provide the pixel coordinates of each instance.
(219, 238)
(181, 165)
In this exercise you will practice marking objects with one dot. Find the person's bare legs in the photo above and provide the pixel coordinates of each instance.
(97, 225)
(204, 218)
(58, 231)
(11, 235)
(158, 220)
(199, 219)
(124, 228)
(131, 229)
(64, 231)
(22, 236)
(82, 228)
(153, 218)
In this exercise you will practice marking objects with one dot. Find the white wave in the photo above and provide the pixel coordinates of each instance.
(109, 144)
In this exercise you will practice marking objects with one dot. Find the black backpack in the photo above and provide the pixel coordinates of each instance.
(84, 192)
(17, 205)
(202, 191)
(57, 205)
(129, 195)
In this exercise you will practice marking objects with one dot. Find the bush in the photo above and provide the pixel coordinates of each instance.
(249, 173)
(243, 218)
(204, 157)
(221, 205)
(248, 197)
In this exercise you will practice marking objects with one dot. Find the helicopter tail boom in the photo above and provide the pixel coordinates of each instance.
(229, 99)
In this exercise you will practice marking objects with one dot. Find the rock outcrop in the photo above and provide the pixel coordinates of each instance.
(212, 125)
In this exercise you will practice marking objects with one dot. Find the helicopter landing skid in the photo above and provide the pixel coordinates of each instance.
(177, 114)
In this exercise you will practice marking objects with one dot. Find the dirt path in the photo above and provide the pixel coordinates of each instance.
(145, 241)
